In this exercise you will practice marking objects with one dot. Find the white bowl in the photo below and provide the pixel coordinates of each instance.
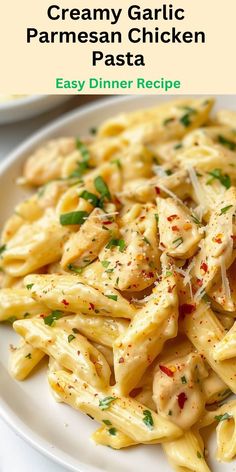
(28, 106)
(28, 407)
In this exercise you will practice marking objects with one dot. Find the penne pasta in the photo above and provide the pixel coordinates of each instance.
(71, 294)
(143, 340)
(68, 348)
(101, 405)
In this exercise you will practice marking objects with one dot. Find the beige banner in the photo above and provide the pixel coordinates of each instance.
(46, 67)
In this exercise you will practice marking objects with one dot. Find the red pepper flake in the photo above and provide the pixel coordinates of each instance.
(175, 228)
(162, 244)
(157, 190)
(170, 289)
(199, 282)
(65, 302)
(182, 398)
(166, 370)
(135, 392)
(121, 360)
(186, 309)
(204, 267)
(116, 200)
(92, 306)
(217, 239)
(107, 222)
(172, 217)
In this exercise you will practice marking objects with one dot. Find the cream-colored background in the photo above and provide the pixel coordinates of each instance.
(208, 68)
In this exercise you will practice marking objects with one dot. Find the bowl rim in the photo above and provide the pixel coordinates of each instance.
(35, 99)
(19, 102)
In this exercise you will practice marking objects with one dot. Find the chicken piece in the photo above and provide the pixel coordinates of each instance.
(216, 249)
(178, 391)
(84, 246)
(179, 234)
(45, 163)
(133, 260)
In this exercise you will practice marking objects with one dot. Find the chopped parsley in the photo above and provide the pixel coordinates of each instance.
(112, 297)
(178, 146)
(41, 190)
(80, 169)
(227, 142)
(224, 417)
(29, 286)
(116, 243)
(156, 217)
(199, 455)
(107, 422)
(117, 162)
(148, 419)
(169, 273)
(70, 338)
(185, 120)
(93, 130)
(83, 165)
(177, 242)
(170, 413)
(112, 431)
(55, 315)
(29, 356)
(183, 379)
(73, 268)
(75, 330)
(83, 150)
(73, 218)
(11, 319)
(225, 209)
(195, 220)
(168, 120)
(223, 178)
(90, 197)
(3, 248)
(103, 189)
(105, 263)
(146, 240)
(105, 403)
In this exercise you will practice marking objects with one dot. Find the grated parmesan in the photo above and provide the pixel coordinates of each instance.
(225, 280)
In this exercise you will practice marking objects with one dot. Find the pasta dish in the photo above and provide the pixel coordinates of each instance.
(119, 269)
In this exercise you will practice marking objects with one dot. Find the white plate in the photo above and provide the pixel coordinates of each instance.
(28, 106)
(28, 407)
